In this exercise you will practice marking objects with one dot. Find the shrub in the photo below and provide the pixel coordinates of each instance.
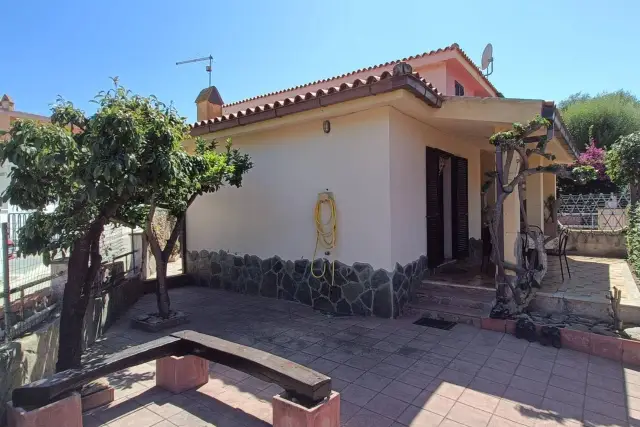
(605, 117)
(623, 160)
(633, 238)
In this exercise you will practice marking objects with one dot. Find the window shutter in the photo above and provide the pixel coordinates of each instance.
(435, 229)
(460, 207)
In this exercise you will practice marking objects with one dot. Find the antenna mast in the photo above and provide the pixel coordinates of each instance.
(206, 58)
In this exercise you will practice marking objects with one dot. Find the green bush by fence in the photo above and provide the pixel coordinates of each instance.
(633, 237)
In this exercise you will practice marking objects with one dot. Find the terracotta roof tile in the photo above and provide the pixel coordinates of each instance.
(303, 97)
(454, 47)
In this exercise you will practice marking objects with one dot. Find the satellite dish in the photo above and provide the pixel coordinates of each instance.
(487, 59)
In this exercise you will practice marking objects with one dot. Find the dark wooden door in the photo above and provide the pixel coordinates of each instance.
(435, 223)
(459, 207)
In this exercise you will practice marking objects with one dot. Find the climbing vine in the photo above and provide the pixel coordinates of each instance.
(514, 149)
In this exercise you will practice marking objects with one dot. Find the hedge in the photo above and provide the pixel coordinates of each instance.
(633, 238)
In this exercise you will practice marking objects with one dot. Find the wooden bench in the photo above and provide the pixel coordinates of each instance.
(303, 387)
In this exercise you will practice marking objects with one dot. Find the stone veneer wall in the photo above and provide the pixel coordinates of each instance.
(357, 290)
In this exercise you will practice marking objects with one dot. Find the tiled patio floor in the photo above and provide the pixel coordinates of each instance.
(591, 279)
(389, 372)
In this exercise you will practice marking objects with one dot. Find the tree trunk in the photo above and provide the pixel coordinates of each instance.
(162, 256)
(162, 292)
(80, 276)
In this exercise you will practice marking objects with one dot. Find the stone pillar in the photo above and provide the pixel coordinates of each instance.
(535, 195)
(178, 374)
(64, 412)
(289, 414)
(59, 273)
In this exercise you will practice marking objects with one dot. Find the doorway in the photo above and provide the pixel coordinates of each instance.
(447, 207)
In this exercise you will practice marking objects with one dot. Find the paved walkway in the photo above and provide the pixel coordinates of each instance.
(591, 278)
(389, 372)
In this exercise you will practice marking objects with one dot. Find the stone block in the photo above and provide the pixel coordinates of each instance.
(96, 394)
(576, 340)
(289, 414)
(498, 325)
(608, 347)
(178, 374)
(510, 327)
(631, 352)
(155, 323)
(65, 412)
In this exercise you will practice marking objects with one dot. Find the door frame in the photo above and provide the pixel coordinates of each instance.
(459, 169)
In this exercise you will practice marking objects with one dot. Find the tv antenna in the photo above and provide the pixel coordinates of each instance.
(206, 58)
(487, 60)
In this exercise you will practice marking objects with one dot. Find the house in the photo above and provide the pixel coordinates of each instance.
(402, 148)
(8, 115)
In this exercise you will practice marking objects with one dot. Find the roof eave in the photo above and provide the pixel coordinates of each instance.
(407, 81)
(551, 112)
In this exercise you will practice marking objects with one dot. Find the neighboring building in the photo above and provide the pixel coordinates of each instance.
(403, 146)
(8, 115)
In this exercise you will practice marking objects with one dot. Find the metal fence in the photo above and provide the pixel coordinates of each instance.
(594, 212)
(30, 290)
(27, 292)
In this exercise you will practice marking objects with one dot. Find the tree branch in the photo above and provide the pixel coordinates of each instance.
(148, 231)
(177, 229)
(540, 152)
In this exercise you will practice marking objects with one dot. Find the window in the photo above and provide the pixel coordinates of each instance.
(459, 89)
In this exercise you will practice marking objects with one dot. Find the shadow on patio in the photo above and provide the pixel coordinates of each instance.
(389, 372)
(591, 277)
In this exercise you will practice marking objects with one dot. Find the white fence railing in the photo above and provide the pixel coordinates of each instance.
(602, 212)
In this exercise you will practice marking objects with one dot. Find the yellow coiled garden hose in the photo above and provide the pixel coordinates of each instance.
(326, 232)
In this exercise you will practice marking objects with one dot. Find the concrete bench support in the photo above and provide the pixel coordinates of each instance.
(64, 412)
(289, 414)
(178, 374)
(99, 397)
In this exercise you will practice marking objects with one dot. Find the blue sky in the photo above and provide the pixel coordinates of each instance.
(542, 49)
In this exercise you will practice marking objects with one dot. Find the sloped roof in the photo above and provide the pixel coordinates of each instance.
(452, 48)
(402, 78)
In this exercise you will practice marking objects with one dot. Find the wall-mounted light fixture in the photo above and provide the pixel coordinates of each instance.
(326, 126)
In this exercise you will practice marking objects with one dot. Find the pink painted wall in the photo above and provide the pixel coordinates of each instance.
(456, 72)
(439, 69)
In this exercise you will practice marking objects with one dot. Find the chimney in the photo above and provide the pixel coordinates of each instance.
(209, 103)
(6, 103)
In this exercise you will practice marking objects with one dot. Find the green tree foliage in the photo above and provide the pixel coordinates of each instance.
(205, 171)
(633, 238)
(623, 160)
(612, 115)
(593, 156)
(87, 168)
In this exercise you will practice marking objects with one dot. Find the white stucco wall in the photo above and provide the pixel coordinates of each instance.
(409, 137)
(272, 214)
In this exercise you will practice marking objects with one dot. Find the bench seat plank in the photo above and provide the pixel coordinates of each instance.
(47, 390)
(301, 383)
(298, 381)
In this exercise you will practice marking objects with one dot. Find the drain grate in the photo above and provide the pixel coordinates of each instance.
(435, 323)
